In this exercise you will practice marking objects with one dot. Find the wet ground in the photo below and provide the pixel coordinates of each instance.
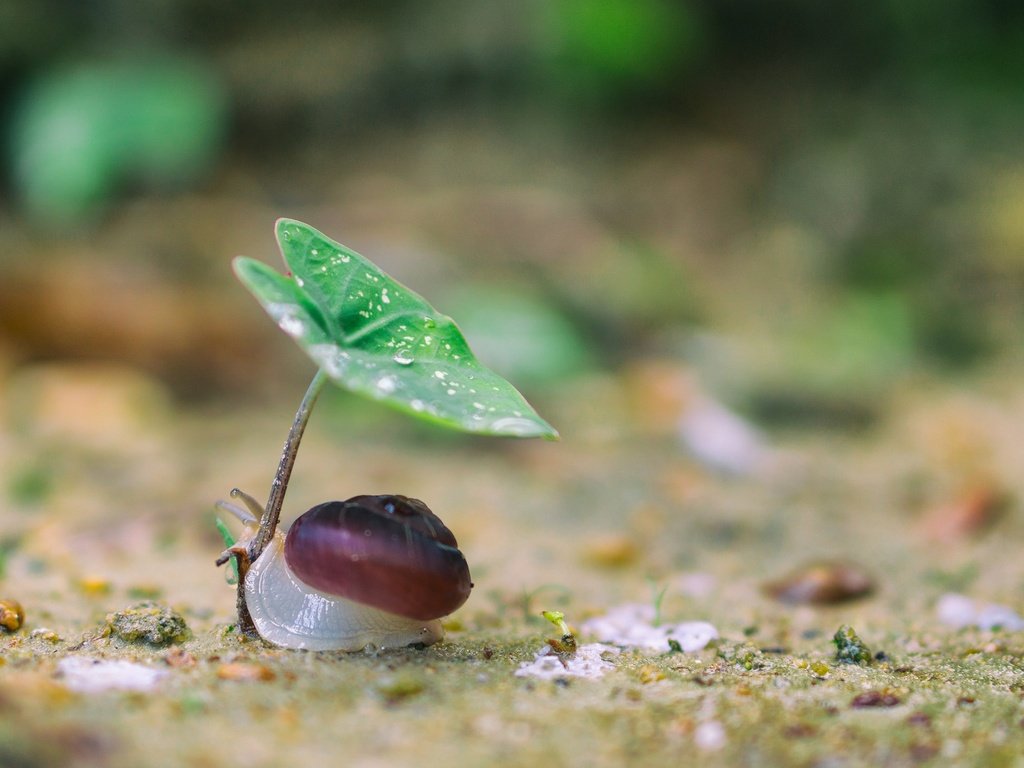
(924, 503)
(699, 274)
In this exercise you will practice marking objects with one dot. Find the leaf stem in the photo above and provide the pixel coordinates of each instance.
(272, 512)
(272, 515)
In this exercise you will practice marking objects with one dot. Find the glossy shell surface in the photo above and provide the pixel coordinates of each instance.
(292, 614)
(387, 551)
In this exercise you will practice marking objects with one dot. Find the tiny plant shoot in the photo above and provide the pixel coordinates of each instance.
(565, 645)
(373, 336)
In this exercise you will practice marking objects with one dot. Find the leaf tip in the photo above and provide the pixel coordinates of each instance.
(244, 267)
(285, 229)
(548, 433)
(283, 222)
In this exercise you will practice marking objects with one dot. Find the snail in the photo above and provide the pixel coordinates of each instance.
(369, 571)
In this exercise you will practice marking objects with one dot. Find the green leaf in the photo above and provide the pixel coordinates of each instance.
(374, 336)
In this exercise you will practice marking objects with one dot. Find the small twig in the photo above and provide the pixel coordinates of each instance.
(242, 553)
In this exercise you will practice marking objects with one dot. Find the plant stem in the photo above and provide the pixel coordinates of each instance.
(268, 525)
(272, 512)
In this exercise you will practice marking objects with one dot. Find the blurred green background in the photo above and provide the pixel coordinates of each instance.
(807, 204)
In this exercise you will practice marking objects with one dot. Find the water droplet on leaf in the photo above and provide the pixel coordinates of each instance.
(292, 325)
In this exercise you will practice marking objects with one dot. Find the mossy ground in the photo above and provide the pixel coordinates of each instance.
(135, 519)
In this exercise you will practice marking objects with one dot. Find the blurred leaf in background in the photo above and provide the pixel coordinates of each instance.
(518, 333)
(604, 49)
(81, 133)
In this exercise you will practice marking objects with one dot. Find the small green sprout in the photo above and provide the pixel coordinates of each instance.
(657, 598)
(850, 649)
(566, 644)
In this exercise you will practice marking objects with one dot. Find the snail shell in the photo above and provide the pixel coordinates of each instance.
(372, 570)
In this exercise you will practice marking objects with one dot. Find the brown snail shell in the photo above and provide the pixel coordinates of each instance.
(390, 552)
(371, 570)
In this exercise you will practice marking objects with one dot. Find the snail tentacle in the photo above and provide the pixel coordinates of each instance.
(243, 515)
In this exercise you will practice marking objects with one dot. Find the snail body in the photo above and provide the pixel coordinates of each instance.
(370, 571)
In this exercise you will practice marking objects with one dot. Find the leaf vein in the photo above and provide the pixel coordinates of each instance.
(376, 325)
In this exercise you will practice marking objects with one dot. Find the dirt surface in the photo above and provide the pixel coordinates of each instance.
(821, 242)
(98, 521)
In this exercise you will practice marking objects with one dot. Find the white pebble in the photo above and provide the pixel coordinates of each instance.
(631, 626)
(709, 736)
(720, 439)
(85, 675)
(961, 611)
(588, 662)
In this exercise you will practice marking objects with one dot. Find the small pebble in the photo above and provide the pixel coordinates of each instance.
(973, 512)
(93, 586)
(709, 736)
(179, 659)
(245, 672)
(94, 675)
(12, 615)
(849, 647)
(824, 582)
(820, 668)
(147, 622)
(403, 685)
(631, 625)
(720, 439)
(589, 661)
(665, 397)
(610, 550)
(43, 633)
(961, 611)
(650, 674)
(883, 698)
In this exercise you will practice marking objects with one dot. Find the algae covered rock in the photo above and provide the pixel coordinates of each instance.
(850, 649)
(147, 622)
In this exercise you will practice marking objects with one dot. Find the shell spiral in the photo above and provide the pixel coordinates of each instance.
(390, 552)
